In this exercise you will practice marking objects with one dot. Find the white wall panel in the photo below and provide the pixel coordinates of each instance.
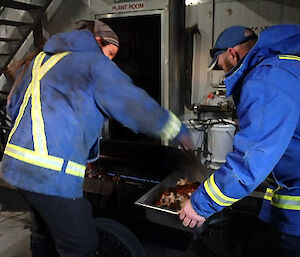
(202, 16)
(253, 13)
(256, 14)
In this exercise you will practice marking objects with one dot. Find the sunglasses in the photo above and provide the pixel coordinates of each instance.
(217, 51)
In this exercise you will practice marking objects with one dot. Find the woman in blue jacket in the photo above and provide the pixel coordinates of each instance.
(263, 76)
(58, 110)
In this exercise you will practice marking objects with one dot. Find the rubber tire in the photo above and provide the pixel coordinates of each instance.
(115, 240)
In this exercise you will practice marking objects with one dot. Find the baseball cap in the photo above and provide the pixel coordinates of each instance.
(230, 37)
(100, 29)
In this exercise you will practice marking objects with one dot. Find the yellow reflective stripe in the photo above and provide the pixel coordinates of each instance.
(21, 111)
(286, 202)
(75, 169)
(212, 195)
(286, 206)
(50, 63)
(38, 129)
(215, 193)
(171, 128)
(268, 195)
(32, 157)
(289, 57)
(287, 197)
(282, 201)
(25, 100)
(39, 156)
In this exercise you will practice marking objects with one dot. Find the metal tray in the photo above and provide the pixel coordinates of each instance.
(150, 198)
(166, 216)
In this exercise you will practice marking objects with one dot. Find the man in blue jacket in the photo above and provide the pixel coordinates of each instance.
(58, 111)
(263, 76)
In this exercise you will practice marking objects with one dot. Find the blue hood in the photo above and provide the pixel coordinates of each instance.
(278, 39)
(73, 41)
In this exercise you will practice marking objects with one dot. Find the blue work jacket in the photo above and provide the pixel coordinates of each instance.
(266, 90)
(59, 109)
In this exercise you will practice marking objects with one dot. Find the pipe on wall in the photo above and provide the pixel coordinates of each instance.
(189, 54)
(176, 60)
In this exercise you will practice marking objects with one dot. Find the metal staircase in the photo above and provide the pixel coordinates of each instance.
(17, 20)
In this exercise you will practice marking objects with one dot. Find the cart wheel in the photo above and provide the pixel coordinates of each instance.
(115, 240)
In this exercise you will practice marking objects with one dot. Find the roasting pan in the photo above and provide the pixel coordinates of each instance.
(165, 216)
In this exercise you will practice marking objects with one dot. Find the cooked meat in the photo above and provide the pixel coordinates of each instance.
(183, 181)
(174, 198)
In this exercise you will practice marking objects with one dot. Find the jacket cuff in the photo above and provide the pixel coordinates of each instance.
(172, 127)
(201, 203)
(184, 131)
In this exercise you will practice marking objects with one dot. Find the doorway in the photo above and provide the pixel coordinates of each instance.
(139, 57)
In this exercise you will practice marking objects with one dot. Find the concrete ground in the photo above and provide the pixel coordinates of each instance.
(15, 238)
(14, 234)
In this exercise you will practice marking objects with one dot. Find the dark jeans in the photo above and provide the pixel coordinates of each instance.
(287, 246)
(268, 242)
(61, 227)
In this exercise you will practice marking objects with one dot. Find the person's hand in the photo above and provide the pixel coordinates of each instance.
(189, 217)
(186, 142)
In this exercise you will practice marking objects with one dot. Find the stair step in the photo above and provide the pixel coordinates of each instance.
(14, 23)
(19, 5)
(4, 39)
(24, 27)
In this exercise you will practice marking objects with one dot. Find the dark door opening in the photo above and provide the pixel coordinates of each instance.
(139, 57)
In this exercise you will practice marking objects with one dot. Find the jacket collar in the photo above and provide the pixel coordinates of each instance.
(278, 39)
